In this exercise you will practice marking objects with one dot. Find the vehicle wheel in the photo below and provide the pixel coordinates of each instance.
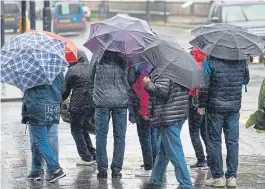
(15, 30)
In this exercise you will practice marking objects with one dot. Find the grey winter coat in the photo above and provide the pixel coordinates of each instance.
(110, 88)
(168, 102)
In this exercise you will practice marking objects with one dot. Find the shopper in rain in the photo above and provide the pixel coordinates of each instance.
(168, 105)
(138, 112)
(221, 99)
(197, 126)
(111, 98)
(81, 107)
(41, 110)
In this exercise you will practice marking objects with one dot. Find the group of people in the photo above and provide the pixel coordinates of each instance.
(157, 105)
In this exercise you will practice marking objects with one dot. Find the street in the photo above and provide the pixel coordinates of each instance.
(16, 155)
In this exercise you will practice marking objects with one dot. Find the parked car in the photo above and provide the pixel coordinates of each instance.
(249, 15)
(12, 16)
(68, 17)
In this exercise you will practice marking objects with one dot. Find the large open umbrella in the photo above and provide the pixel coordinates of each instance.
(32, 59)
(70, 49)
(227, 42)
(122, 34)
(172, 61)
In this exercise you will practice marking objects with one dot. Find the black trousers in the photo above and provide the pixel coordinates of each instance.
(79, 128)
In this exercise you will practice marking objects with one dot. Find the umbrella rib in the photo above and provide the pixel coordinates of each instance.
(249, 40)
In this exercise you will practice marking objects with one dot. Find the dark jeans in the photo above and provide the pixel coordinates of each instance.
(79, 130)
(119, 119)
(148, 137)
(229, 123)
(197, 128)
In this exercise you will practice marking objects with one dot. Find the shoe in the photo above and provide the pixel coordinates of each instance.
(34, 175)
(144, 173)
(231, 182)
(55, 176)
(116, 174)
(199, 165)
(84, 162)
(102, 175)
(215, 182)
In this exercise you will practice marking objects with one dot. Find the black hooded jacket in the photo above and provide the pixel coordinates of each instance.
(81, 85)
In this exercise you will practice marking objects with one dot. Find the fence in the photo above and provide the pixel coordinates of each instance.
(147, 9)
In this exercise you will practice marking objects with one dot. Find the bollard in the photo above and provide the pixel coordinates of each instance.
(32, 15)
(47, 22)
(23, 16)
(2, 24)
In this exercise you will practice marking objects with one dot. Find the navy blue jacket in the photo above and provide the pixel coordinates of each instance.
(223, 93)
(41, 104)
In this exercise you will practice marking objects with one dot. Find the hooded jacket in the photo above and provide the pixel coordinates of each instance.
(80, 84)
(110, 87)
(199, 56)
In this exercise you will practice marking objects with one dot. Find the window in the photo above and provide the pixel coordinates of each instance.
(11, 8)
(243, 13)
(66, 9)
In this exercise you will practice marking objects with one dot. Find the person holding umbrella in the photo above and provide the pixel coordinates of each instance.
(138, 113)
(197, 126)
(175, 73)
(111, 98)
(82, 107)
(34, 62)
(225, 72)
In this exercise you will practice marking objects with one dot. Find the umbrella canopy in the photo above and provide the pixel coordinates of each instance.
(227, 42)
(70, 49)
(121, 34)
(172, 61)
(32, 59)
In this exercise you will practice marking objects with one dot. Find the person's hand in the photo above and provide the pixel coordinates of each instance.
(146, 118)
(201, 111)
(146, 79)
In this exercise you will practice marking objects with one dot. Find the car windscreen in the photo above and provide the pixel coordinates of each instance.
(249, 12)
(68, 9)
(11, 8)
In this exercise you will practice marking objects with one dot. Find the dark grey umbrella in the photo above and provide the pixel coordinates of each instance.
(172, 61)
(227, 42)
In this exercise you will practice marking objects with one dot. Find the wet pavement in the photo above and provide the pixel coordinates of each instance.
(16, 156)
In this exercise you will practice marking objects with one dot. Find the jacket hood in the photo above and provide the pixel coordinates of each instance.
(198, 55)
(81, 56)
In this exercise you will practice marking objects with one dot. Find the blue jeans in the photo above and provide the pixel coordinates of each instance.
(230, 124)
(44, 146)
(148, 138)
(119, 119)
(170, 149)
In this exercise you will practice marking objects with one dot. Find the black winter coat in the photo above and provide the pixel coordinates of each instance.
(223, 93)
(81, 85)
(168, 102)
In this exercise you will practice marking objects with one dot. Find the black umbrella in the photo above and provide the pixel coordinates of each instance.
(227, 42)
(172, 61)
